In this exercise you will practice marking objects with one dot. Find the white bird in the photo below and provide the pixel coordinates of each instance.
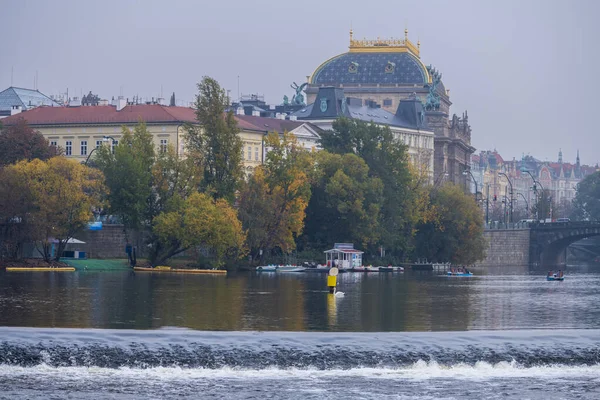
(338, 294)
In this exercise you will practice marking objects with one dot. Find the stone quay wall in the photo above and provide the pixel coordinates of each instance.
(508, 247)
(109, 242)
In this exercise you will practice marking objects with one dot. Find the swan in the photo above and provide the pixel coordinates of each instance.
(338, 294)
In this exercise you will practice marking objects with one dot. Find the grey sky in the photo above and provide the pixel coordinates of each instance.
(524, 70)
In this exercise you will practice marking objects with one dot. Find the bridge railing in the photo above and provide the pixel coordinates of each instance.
(497, 225)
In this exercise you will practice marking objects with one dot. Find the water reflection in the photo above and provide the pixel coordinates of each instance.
(495, 298)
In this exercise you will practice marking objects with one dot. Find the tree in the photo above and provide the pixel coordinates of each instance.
(273, 203)
(387, 159)
(200, 221)
(456, 235)
(15, 208)
(345, 203)
(21, 142)
(587, 200)
(172, 102)
(128, 174)
(63, 194)
(215, 142)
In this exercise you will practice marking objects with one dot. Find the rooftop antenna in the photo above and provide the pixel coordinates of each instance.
(238, 88)
(12, 72)
(161, 92)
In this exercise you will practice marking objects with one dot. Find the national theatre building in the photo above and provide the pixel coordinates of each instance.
(381, 73)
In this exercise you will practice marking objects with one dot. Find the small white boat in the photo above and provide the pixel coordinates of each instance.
(368, 268)
(280, 268)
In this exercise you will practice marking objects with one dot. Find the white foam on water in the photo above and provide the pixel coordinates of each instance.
(420, 370)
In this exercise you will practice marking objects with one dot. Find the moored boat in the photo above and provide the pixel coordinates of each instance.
(391, 268)
(281, 268)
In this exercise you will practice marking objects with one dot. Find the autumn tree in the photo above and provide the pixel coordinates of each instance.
(62, 195)
(456, 234)
(272, 205)
(215, 141)
(200, 221)
(20, 142)
(345, 203)
(587, 200)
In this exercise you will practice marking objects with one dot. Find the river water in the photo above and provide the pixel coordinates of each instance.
(503, 333)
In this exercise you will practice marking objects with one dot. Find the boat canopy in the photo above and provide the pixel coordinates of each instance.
(343, 255)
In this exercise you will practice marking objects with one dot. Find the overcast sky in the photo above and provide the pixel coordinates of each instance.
(525, 70)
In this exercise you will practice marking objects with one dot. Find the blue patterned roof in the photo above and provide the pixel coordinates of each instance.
(371, 68)
(26, 98)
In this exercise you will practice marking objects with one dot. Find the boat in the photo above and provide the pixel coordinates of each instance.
(390, 268)
(459, 272)
(362, 268)
(318, 268)
(558, 276)
(281, 268)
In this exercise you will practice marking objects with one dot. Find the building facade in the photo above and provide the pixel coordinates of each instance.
(381, 73)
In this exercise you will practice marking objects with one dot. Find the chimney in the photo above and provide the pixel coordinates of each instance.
(121, 103)
(293, 118)
(15, 110)
(161, 101)
(239, 110)
(255, 113)
(280, 115)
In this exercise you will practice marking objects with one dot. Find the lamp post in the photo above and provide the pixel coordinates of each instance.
(468, 172)
(511, 194)
(526, 203)
(537, 211)
(112, 142)
(89, 155)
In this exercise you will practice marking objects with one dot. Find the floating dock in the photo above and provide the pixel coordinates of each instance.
(40, 269)
(181, 270)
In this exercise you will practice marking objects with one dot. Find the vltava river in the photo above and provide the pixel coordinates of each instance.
(503, 333)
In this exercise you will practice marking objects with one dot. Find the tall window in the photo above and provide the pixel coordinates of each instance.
(256, 153)
(84, 147)
(68, 148)
(387, 102)
(249, 152)
(98, 143)
(163, 145)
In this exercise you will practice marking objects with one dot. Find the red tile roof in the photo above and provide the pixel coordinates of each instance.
(93, 115)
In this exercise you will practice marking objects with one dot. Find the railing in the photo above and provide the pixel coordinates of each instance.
(507, 225)
(497, 225)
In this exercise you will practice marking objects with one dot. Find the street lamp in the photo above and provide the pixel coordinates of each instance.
(535, 182)
(468, 172)
(112, 143)
(89, 155)
(511, 194)
(526, 203)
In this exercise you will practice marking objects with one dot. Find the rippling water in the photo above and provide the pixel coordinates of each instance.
(500, 334)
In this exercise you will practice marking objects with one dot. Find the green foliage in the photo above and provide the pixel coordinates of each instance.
(128, 175)
(273, 202)
(587, 201)
(345, 203)
(21, 142)
(387, 160)
(457, 233)
(215, 142)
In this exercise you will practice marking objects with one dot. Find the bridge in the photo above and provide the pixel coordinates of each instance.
(537, 244)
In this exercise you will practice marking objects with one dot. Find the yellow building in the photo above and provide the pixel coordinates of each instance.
(79, 130)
